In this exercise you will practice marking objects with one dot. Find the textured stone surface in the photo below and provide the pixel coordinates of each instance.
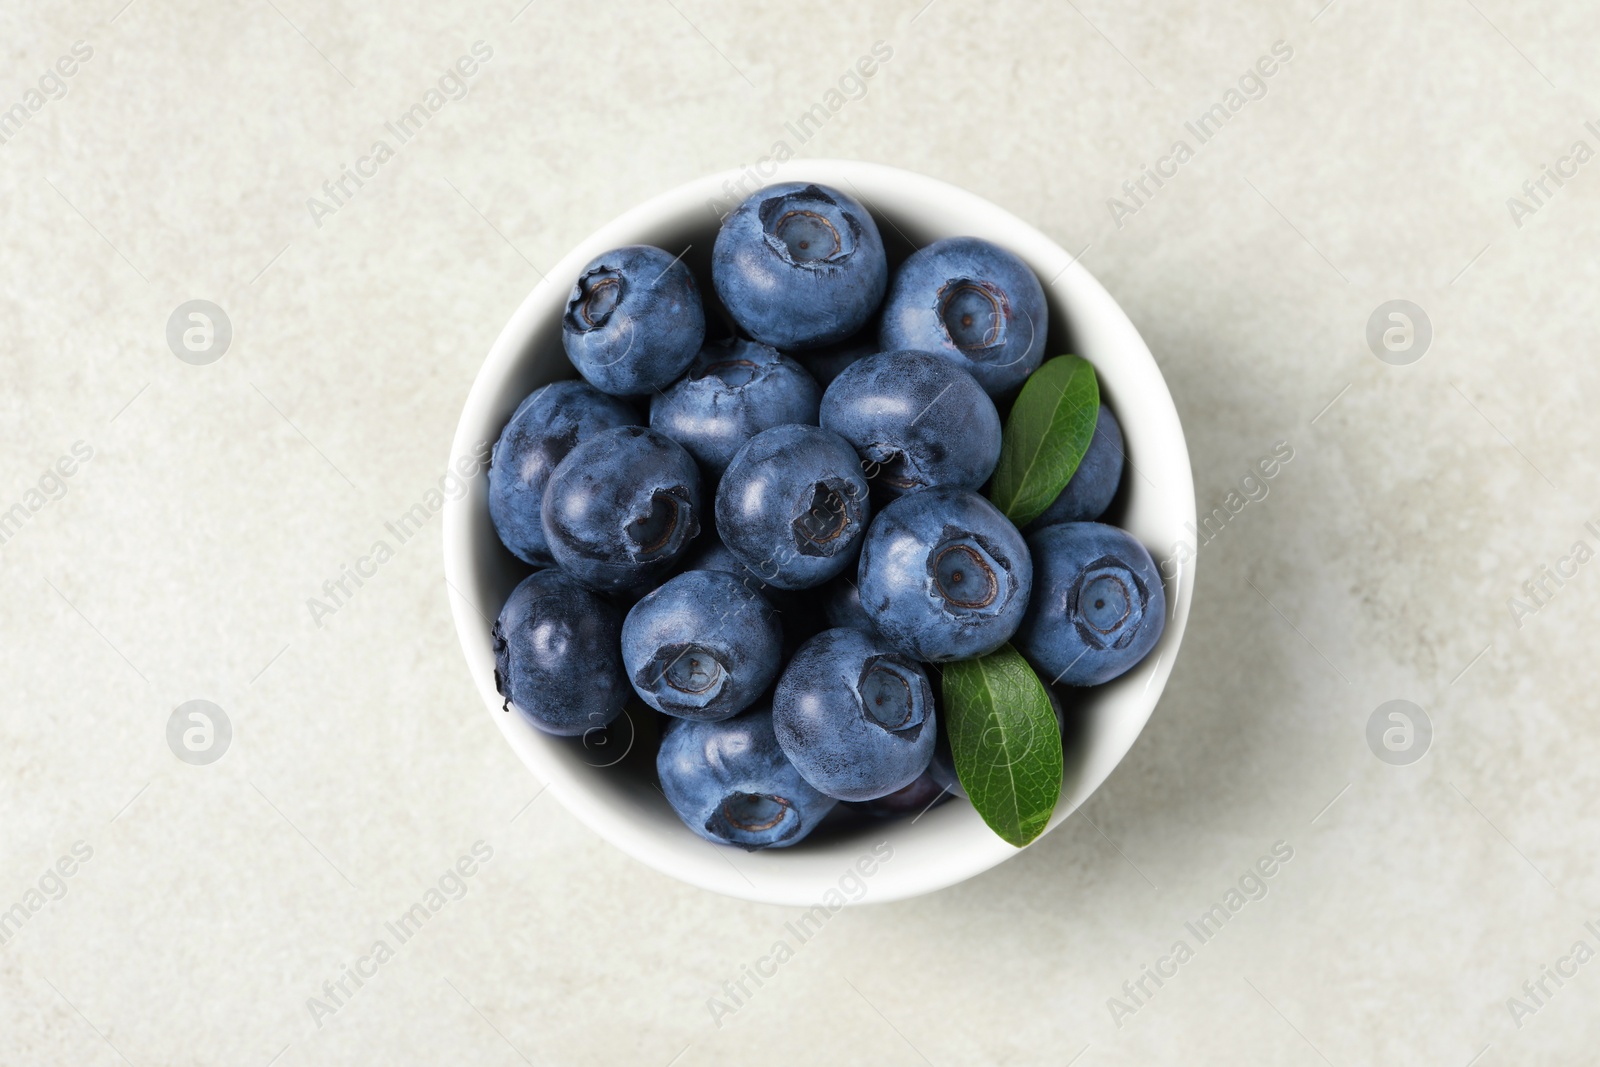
(178, 561)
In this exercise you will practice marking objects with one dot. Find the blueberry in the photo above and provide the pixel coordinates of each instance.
(544, 429)
(854, 716)
(841, 603)
(799, 266)
(942, 767)
(944, 575)
(973, 303)
(621, 507)
(731, 783)
(633, 321)
(792, 506)
(1098, 607)
(732, 392)
(708, 553)
(702, 646)
(923, 793)
(799, 615)
(826, 364)
(1094, 483)
(556, 655)
(917, 420)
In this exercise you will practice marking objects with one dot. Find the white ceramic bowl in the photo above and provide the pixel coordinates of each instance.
(618, 798)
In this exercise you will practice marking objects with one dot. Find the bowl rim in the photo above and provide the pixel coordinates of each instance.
(1151, 428)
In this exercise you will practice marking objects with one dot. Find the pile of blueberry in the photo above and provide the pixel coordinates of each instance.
(772, 565)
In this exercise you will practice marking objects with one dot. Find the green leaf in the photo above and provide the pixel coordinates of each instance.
(1005, 740)
(1044, 440)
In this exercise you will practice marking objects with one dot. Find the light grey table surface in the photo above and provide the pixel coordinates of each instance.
(208, 905)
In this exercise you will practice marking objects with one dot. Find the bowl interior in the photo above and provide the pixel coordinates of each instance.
(608, 780)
